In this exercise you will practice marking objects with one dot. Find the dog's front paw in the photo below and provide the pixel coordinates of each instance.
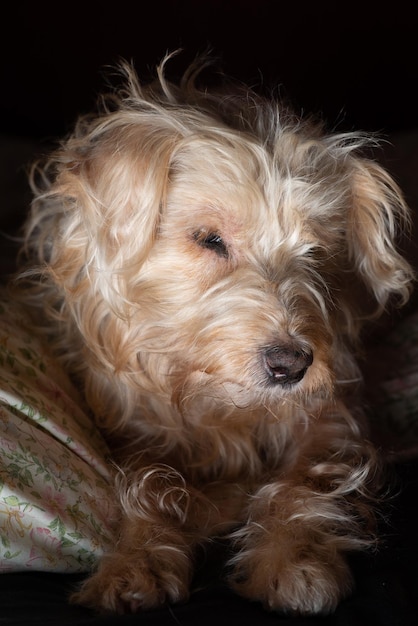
(305, 585)
(128, 583)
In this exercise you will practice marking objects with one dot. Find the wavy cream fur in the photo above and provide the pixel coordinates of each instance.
(201, 264)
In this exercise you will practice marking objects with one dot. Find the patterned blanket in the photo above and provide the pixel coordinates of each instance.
(55, 497)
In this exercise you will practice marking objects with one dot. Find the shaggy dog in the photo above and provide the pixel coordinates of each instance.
(201, 263)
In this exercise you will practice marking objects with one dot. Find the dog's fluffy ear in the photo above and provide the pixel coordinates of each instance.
(102, 195)
(121, 188)
(378, 216)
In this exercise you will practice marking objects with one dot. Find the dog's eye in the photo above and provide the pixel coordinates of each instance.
(211, 241)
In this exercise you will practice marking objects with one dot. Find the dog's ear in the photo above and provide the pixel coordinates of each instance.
(119, 187)
(100, 202)
(378, 216)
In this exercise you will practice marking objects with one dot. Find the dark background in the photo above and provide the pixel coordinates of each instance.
(356, 62)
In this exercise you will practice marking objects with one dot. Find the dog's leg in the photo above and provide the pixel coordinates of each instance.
(164, 519)
(291, 552)
(152, 562)
(150, 566)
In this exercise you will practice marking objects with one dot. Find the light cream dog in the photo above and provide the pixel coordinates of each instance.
(202, 263)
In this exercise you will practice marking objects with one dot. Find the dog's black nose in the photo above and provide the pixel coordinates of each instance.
(286, 365)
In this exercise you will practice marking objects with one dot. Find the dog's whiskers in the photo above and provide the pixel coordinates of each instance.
(349, 381)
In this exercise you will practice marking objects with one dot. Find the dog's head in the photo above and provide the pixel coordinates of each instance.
(213, 241)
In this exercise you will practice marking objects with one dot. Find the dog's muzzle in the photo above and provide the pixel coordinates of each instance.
(286, 365)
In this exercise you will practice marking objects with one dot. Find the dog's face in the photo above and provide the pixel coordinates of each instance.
(205, 259)
(237, 283)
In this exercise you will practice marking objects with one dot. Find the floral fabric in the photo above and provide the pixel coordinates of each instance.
(56, 511)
